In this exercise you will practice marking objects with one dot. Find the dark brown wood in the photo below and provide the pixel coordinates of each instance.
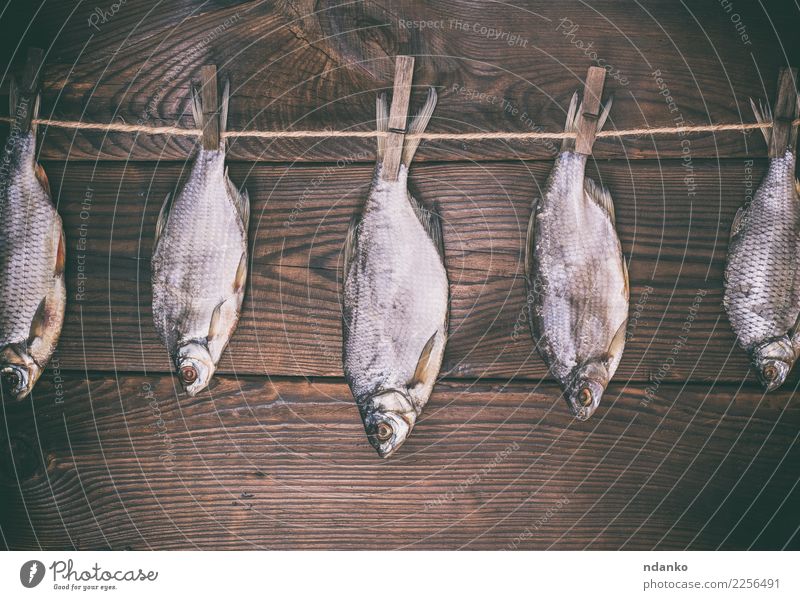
(590, 110)
(398, 116)
(684, 452)
(32, 74)
(298, 67)
(122, 462)
(291, 322)
(209, 93)
(784, 133)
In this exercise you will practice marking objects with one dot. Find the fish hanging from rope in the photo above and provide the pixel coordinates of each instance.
(395, 291)
(199, 265)
(762, 279)
(577, 277)
(32, 252)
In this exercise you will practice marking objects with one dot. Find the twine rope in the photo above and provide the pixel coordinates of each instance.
(324, 133)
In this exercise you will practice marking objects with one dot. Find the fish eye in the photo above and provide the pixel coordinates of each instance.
(11, 379)
(770, 372)
(188, 374)
(585, 397)
(384, 432)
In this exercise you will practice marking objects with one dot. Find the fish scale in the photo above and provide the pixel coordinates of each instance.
(577, 279)
(762, 279)
(762, 297)
(203, 242)
(397, 272)
(27, 251)
(394, 300)
(581, 304)
(31, 261)
(199, 263)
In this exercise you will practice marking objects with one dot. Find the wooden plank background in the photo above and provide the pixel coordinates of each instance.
(685, 452)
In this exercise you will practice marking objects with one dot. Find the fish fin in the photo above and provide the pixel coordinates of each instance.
(381, 123)
(530, 240)
(738, 221)
(431, 222)
(422, 373)
(350, 245)
(41, 177)
(223, 111)
(197, 108)
(617, 345)
(213, 327)
(241, 275)
(37, 101)
(574, 116)
(163, 215)
(571, 126)
(223, 322)
(241, 199)
(601, 120)
(626, 278)
(763, 114)
(601, 196)
(13, 97)
(418, 125)
(61, 253)
(38, 322)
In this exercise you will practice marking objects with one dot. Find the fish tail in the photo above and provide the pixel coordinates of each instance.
(200, 117)
(571, 126)
(574, 116)
(223, 110)
(20, 108)
(763, 115)
(382, 120)
(418, 125)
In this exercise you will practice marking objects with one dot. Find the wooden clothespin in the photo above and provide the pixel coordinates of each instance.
(398, 116)
(590, 110)
(209, 96)
(784, 134)
(32, 73)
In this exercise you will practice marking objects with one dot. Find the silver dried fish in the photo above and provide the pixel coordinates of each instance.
(200, 262)
(762, 291)
(31, 258)
(395, 300)
(577, 277)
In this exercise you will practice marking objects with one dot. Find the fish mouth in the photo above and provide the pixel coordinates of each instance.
(195, 367)
(583, 399)
(773, 361)
(15, 382)
(388, 420)
(772, 373)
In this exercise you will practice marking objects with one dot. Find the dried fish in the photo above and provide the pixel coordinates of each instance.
(395, 299)
(762, 290)
(577, 277)
(32, 255)
(200, 261)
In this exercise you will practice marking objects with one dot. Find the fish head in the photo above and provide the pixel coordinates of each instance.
(18, 373)
(195, 366)
(586, 390)
(773, 360)
(389, 417)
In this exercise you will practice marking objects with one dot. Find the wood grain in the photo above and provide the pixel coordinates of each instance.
(497, 67)
(291, 323)
(125, 463)
(684, 452)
